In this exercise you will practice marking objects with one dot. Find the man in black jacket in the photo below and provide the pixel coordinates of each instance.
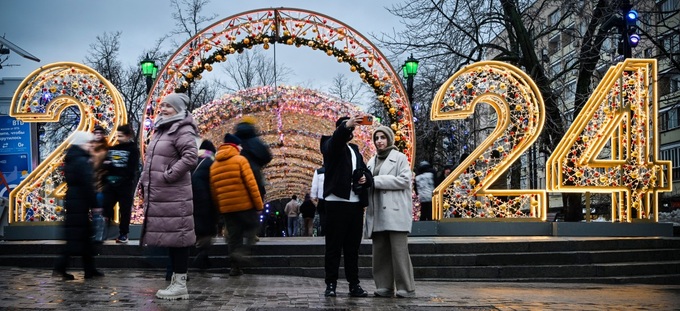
(344, 207)
(121, 166)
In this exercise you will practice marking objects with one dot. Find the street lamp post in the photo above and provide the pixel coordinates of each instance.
(149, 70)
(410, 69)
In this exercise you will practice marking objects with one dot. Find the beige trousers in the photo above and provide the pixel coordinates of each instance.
(392, 262)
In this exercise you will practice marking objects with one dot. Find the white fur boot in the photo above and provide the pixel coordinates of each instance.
(177, 288)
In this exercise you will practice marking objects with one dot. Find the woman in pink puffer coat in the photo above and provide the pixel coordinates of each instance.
(166, 186)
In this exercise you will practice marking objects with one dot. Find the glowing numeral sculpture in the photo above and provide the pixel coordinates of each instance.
(465, 192)
(42, 97)
(620, 117)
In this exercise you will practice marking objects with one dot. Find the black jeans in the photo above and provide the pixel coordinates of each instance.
(179, 259)
(321, 209)
(343, 236)
(123, 194)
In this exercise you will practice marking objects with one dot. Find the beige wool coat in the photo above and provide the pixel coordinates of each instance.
(390, 207)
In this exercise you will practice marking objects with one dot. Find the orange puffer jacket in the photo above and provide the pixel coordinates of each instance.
(232, 182)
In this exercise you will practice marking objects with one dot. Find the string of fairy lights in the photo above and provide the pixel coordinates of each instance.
(292, 27)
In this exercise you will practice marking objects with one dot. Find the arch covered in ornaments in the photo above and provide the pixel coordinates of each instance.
(291, 121)
(287, 26)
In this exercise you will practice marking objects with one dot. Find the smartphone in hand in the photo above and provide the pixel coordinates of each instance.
(366, 120)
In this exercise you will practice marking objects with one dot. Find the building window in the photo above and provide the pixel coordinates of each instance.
(668, 8)
(554, 18)
(556, 68)
(669, 120)
(554, 45)
(671, 42)
(570, 92)
(568, 36)
(648, 52)
(672, 154)
(675, 84)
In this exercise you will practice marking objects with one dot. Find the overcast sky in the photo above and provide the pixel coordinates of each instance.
(55, 31)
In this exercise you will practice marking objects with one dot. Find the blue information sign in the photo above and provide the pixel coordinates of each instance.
(15, 151)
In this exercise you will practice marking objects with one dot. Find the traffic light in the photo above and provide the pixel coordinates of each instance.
(631, 17)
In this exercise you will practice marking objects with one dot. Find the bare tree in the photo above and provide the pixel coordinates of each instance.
(447, 35)
(252, 68)
(346, 90)
(103, 56)
(188, 17)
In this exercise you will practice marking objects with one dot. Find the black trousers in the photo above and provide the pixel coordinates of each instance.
(123, 194)
(321, 209)
(425, 211)
(179, 259)
(343, 235)
(240, 225)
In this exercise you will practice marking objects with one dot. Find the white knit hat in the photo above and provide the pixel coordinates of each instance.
(80, 138)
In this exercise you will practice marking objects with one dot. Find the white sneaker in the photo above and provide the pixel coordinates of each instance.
(177, 288)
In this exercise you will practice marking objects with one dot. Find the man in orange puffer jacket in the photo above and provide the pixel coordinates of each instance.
(235, 192)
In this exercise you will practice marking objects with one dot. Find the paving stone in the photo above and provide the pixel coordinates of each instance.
(134, 289)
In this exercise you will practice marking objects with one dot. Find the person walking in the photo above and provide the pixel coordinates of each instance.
(388, 217)
(292, 210)
(424, 188)
(235, 192)
(99, 151)
(316, 192)
(120, 178)
(205, 211)
(308, 210)
(80, 198)
(254, 149)
(344, 206)
(166, 187)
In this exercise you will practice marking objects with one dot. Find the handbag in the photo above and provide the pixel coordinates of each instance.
(98, 227)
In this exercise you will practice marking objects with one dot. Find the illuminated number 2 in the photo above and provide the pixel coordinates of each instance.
(619, 119)
(42, 97)
(518, 103)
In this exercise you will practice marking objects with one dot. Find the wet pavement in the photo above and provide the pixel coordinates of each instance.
(35, 289)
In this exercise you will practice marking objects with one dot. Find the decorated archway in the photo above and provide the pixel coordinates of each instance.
(291, 120)
(290, 27)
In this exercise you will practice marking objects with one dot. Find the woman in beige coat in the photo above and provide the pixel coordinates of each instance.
(388, 217)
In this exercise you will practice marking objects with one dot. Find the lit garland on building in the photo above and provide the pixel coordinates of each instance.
(41, 97)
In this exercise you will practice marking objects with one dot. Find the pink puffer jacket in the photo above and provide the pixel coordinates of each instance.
(166, 184)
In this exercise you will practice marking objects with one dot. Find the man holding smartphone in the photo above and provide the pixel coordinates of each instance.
(344, 207)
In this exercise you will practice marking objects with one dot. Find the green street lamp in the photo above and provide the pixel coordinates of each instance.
(149, 70)
(410, 69)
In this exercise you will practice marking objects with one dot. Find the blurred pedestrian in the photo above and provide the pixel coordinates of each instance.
(120, 179)
(166, 186)
(388, 217)
(292, 210)
(205, 211)
(308, 210)
(79, 200)
(316, 192)
(254, 149)
(100, 147)
(345, 204)
(235, 192)
(424, 189)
